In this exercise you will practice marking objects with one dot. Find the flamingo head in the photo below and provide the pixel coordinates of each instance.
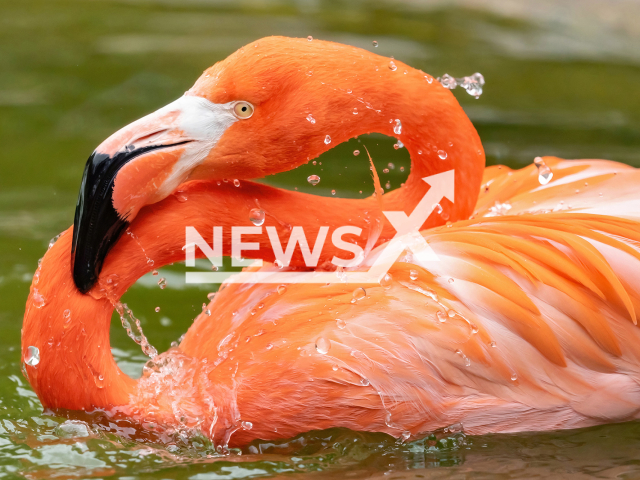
(269, 107)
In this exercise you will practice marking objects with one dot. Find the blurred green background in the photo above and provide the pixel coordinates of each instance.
(561, 79)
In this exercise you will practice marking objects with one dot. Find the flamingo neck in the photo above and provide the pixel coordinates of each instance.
(70, 331)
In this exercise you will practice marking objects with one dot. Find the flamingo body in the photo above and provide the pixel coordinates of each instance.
(527, 322)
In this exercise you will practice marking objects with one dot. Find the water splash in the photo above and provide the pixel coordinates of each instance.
(38, 299)
(499, 209)
(472, 84)
(73, 429)
(127, 318)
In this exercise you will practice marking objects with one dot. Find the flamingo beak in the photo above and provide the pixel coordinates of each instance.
(141, 164)
(97, 225)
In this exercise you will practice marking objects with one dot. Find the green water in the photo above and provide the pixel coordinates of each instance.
(561, 79)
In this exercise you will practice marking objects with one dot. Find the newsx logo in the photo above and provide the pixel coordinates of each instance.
(407, 237)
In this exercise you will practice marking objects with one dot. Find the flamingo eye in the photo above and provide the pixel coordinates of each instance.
(243, 109)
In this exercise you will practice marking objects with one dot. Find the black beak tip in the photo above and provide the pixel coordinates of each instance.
(97, 226)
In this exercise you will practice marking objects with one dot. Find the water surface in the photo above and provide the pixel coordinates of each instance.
(561, 80)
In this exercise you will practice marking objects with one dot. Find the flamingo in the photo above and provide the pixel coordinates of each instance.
(527, 322)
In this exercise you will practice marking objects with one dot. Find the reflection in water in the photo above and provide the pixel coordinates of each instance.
(561, 77)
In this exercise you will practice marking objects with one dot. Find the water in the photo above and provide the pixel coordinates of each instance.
(74, 72)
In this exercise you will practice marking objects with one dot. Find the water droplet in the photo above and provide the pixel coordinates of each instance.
(358, 294)
(236, 182)
(391, 166)
(327, 140)
(341, 323)
(472, 84)
(269, 346)
(53, 241)
(474, 329)
(397, 129)
(311, 119)
(498, 209)
(392, 66)
(313, 179)
(385, 170)
(385, 281)
(32, 357)
(402, 169)
(211, 295)
(334, 368)
(310, 38)
(355, 111)
(364, 382)
(162, 283)
(375, 43)
(514, 376)
(333, 192)
(66, 314)
(448, 81)
(441, 316)
(544, 172)
(257, 216)
(387, 185)
(246, 425)
(451, 280)
(442, 154)
(451, 313)
(413, 274)
(157, 309)
(38, 299)
(323, 345)
(356, 153)
(154, 273)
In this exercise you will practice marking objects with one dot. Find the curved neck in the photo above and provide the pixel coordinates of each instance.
(76, 370)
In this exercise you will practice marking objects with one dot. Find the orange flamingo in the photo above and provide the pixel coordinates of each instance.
(527, 322)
